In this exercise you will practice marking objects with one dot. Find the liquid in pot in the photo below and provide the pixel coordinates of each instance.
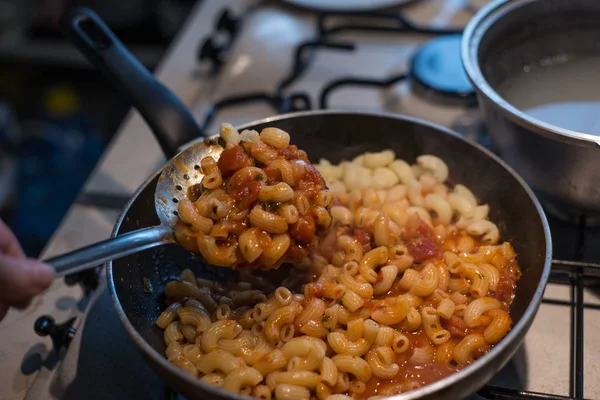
(564, 93)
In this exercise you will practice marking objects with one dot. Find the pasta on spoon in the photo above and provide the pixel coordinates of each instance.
(260, 205)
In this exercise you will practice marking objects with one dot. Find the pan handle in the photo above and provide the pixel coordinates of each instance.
(170, 120)
(110, 249)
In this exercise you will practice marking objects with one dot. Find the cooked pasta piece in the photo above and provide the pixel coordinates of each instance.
(341, 345)
(241, 377)
(261, 392)
(410, 277)
(382, 361)
(298, 378)
(168, 315)
(463, 352)
(356, 366)
(291, 392)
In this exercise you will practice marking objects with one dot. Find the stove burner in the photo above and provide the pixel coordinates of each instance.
(438, 75)
(348, 5)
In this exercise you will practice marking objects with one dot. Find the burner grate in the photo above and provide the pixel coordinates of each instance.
(578, 276)
(360, 82)
(327, 25)
(278, 100)
(375, 22)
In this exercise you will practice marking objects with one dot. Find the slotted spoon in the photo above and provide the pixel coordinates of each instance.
(169, 119)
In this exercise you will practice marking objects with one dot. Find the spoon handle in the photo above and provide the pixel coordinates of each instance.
(111, 249)
(170, 120)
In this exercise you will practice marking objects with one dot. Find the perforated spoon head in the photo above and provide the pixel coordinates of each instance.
(178, 178)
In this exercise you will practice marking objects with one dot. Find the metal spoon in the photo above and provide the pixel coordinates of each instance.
(171, 122)
(177, 176)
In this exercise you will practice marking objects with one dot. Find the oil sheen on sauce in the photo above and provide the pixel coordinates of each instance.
(564, 93)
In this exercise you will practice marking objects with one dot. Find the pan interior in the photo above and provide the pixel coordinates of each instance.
(340, 136)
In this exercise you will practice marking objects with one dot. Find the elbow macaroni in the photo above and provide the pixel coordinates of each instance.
(412, 274)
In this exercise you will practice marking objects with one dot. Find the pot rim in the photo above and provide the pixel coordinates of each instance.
(521, 327)
(473, 34)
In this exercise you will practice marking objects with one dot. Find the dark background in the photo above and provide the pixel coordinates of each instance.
(57, 114)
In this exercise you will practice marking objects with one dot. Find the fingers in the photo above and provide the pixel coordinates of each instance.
(3, 310)
(8, 242)
(22, 305)
(21, 279)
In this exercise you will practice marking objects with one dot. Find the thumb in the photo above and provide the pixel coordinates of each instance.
(21, 279)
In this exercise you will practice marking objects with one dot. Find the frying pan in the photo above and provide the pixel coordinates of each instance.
(137, 281)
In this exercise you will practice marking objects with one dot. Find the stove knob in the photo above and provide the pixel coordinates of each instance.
(227, 23)
(209, 51)
(60, 334)
(44, 325)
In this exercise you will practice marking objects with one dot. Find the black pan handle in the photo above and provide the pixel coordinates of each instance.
(170, 120)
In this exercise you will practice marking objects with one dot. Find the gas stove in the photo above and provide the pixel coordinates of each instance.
(268, 57)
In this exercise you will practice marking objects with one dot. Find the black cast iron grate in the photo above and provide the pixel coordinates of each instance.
(328, 24)
(578, 276)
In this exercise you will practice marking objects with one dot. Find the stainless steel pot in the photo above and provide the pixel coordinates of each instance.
(563, 166)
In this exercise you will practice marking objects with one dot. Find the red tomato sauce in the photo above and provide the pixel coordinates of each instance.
(421, 243)
(304, 229)
(364, 238)
(507, 284)
(312, 182)
(410, 372)
(233, 159)
(244, 189)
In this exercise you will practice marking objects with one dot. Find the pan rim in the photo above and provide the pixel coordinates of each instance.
(521, 326)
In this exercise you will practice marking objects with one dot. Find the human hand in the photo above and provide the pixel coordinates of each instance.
(21, 278)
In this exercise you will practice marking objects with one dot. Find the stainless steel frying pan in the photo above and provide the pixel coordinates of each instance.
(137, 281)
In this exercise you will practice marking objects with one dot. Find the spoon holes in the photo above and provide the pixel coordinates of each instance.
(175, 200)
(196, 167)
(178, 187)
(186, 177)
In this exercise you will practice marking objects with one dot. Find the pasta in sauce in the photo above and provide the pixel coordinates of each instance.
(260, 205)
(409, 284)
